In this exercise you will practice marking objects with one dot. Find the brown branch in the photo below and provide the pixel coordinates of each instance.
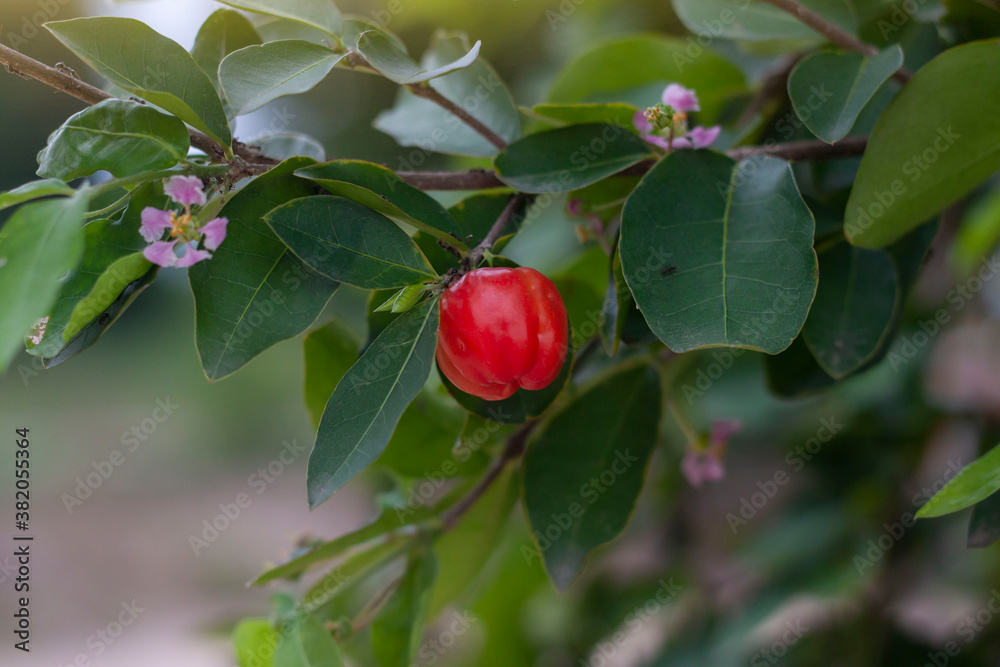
(832, 33)
(804, 150)
(425, 91)
(474, 179)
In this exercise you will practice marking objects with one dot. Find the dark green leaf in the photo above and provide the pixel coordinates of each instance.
(795, 373)
(618, 302)
(613, 68)
(256, 75)
(254, 292)
(380, 189)
(383, 54)
(421, 446)
(119, 136)
(938, 139)
(569, 158)
(329, 353)
(362, 413)
(717, 253)
(614, 113)
(50, 187)
(322, 15)
(222, 33)
(350, 243)
(584, 470)
(147, 64)
(40, 244)
(829, 89)
(255, 642)
(754, 20)
(977, 481)
(412, 121)
(399, 627)
(851, 319)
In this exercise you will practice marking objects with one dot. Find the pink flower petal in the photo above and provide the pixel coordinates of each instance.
(657, 140)
(192, 257)
(154, 222)
(724, 429)
(680, 98)
(691, 468)
(575, 207)
(185, 190)
(712, 469)
(640, 123)
(161, 253)
(701, 137)
(681, 142)
(215, 233)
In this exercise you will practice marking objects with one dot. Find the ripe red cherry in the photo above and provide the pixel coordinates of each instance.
(502, 329)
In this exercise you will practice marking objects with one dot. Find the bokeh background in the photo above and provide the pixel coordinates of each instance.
(128, 542)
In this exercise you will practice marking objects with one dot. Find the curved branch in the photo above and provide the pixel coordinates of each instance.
(425, 91)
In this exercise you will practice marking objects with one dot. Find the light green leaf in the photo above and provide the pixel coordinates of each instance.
(222, 33)
(614, 113)
(851, 319)
(399, 627)
(938, 139)
(49, 187)
(286, 145)
(977, 481)
(380, 189)
(119, 136)
(413, 120)
(717, 253)
(254, 292)
(147, 64)
(383, 54)
(255, 642)
(568, 158)
(584, 470)
(257, 75)
(320, 14)
(329, 353)
(350, 243)
(754, 20)
(362, 412)
(309, 644)
(39, 245)
(829, 89)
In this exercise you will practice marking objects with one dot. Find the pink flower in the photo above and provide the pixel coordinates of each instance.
(185, 190)
(680, 98)
(704, 463)
(701, 137)
(154, 223)
(215, 233)
(575, 207)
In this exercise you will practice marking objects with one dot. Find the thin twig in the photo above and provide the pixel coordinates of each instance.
(371, 610)
(832, 33)
(425, 91)
(496, 230)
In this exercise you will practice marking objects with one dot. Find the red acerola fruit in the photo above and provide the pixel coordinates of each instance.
(502, 329)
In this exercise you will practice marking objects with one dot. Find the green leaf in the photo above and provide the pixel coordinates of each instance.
(50, 187)
(145, 63)
(362, 412)
(984, 525)
(795, 372)
(578, 114)
(119, 136)
(329, 353)
(976, 239)
(320, 14)
(618, 303)
(380, 189)
(350, 243)
(938, 139)
(257, 75)
(413, 120)
(356, 568)
(614, 67)
(254, 292)
(286, 145)
(522, 405)
(568, 158)
(222, 33)
(355, 26)
(852, 316)
(255, 642)
(975, 482)
(40, 244)
(753, 20)
(403, 300)
(383, 54)
(399, 626)
(584, 470)
(829, 89)
(308, 645)
(720, 253)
